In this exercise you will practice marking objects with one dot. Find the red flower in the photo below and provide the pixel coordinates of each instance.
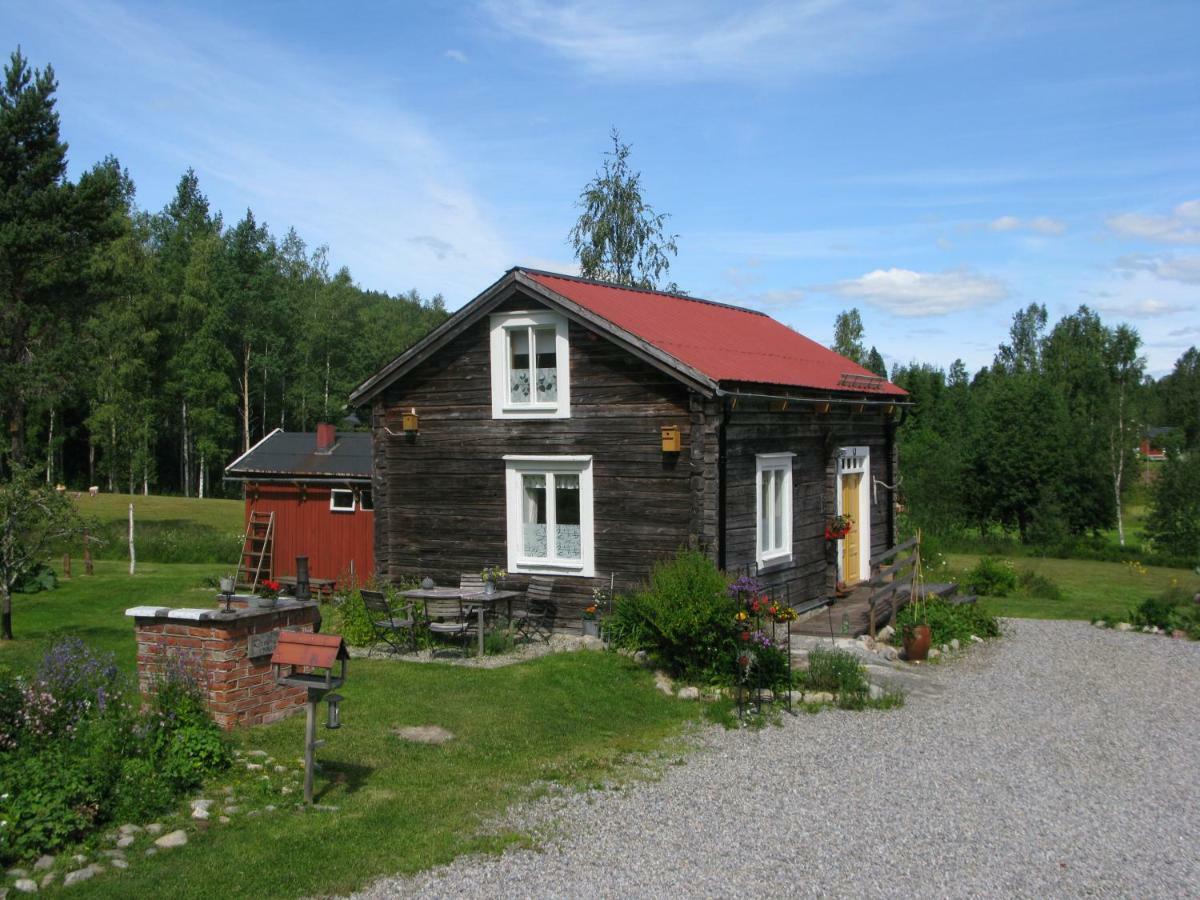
(745, 635)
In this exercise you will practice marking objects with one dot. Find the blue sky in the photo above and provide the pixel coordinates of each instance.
(937, 165)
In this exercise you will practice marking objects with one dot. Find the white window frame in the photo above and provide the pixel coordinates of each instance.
(515, 467)
(851, 461)
(502, 324)
(333, 507)
(777, 463)
(370, 492)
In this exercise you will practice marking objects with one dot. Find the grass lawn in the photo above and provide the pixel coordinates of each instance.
(223, 515)
(94, 608)
(1091, 589)
(401, 807)
(570, 719)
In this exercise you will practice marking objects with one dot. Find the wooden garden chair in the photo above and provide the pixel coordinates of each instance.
(535, 619)
(451, 618)
(395, 629)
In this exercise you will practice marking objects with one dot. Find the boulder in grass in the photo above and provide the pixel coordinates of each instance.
(172, 839)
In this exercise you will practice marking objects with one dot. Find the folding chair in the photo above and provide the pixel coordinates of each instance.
(536, 618)
(451, 618)
(390, 625)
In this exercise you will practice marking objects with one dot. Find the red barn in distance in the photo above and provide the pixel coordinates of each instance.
(307, 495)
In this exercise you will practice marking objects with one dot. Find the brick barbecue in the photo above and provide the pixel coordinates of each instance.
(230, 651)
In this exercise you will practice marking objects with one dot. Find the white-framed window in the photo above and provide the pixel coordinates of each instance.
(773, 489)
(549, 502)
(366, 499)
(341, 500)
(530, 366)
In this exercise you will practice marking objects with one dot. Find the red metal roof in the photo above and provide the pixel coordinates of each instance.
(723, 342)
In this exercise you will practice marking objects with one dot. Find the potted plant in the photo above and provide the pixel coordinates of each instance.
(838, 527)
(490, 576)
(267, 593)
(917, 635)
(591, 614)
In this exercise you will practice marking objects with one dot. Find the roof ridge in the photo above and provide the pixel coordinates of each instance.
(624, 287)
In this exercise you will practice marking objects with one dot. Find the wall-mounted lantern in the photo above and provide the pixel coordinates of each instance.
(671, 442)
(411, 422)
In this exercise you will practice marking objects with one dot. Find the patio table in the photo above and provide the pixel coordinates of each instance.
(477, 597)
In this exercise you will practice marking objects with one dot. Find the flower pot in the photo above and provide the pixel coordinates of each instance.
(591, 628)
(489, 588)
(264, 602)
(916, 641)
(227, 585)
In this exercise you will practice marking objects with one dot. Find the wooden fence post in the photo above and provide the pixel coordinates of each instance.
(87, 554)
(132, 552)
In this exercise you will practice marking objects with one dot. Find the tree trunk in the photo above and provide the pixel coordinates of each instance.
(325, 407)
(187, 469)
(91, 460)
(201, 476)
(145, 467)
(16, 430)
(50, 450)
(246, 399)
(5, 614)
(112, 454)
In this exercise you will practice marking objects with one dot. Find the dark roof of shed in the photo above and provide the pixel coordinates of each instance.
(293, 456)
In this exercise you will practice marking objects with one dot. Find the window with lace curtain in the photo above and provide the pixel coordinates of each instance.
(549, 501)
(529, 366)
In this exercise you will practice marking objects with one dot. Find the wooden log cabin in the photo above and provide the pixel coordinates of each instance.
(556, 425)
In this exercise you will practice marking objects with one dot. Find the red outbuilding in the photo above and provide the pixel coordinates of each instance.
(307, 495)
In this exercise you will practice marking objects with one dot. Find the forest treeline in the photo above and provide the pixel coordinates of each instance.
(143, 351)
(1043, 443)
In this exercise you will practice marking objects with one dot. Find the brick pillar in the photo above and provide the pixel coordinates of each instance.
(217, 646)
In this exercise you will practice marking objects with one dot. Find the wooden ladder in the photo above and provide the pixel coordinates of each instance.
(255, 562)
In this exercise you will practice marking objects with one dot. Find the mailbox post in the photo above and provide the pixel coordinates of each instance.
(307, 660)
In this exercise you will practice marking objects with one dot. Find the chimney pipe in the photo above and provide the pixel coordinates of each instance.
(326, 435)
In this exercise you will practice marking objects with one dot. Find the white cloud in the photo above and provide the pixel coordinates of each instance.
(374, 181)
(1182, 226)
(456, 55)
(1041, 224)
(903, 292)
(690, 40)
(1146, 308)
(1184, 269)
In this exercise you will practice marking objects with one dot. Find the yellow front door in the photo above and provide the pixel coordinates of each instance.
(852, 543)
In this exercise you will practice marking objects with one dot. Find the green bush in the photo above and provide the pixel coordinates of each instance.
(159, 541)
(838, 672)
(991, 578)
(948, 621)
(684, 618)
(1037, 585)
(350, 618)
(47, 804)
(1173, 609)
(194, 752)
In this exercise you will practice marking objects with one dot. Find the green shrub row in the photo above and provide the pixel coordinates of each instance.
(157, 541)
(1174, 609)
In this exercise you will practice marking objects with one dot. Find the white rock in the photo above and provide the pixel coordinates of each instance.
(120, 864)
(796, 696)
(48, 879)
(1100, 623)
(200, 808)
(154, 828)
(889, 652)
(126, 841)
(886, 633)
(173, 839)
(934, 653)
(280, 769)
(270, 807)
(44, 863)
(259, 753)
(150, 851)
(867, 643)
(254, 767)
(642, 658)
(976, 639)
(945, 648)
(689, 693)
(1124, 626)
(224, 820)
(662, 681)
(874, 691)
(79, 875)
(26, 886)
(230, 809)
(818, 697)
(130, 829)
(954, 644)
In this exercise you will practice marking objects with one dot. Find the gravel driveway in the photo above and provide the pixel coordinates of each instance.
(1061, 761)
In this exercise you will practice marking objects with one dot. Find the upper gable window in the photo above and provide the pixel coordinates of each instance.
(530, 366)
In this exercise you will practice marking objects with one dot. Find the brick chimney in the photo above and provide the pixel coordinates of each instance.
(326, 435)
